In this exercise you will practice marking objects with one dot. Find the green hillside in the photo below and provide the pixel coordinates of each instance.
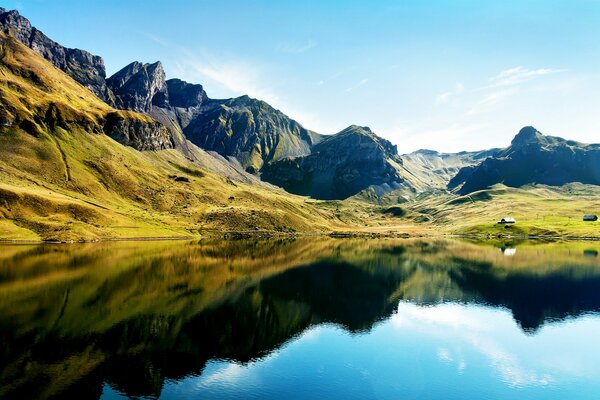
(63, 178)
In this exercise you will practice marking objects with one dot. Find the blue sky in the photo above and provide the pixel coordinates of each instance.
(446, 75)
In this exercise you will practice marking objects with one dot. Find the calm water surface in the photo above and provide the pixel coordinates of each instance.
(297, 319)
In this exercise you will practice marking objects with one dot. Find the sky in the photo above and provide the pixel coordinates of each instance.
(445, 75)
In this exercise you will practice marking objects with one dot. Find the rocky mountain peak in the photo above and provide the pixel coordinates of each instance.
(85, 68)
(185, 95)
(363, 136)
(139, 86)
(364, 130)
(527, 135)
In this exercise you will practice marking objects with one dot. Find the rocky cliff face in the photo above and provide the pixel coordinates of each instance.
(340, 166)
(139, 134)
(39, 99)
(139, 87)
(534, 158)
(251, 131)
(246, 129)
(82, 66)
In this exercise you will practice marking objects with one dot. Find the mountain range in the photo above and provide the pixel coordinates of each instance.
(57, 104)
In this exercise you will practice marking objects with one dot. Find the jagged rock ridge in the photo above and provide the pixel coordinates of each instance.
(80, 65)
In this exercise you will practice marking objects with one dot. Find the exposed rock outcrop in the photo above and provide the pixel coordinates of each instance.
(251, 131)
(139, 87)
(139, 134)
(340, 166)
(80, 65)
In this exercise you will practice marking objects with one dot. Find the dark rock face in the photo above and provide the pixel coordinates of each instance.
(340, 166)
(141, 135)
(250, 130)
(534, 158)
(139, 87)
(185, 95)
(82, 66)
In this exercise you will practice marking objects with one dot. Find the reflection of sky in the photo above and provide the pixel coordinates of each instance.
(449, 351)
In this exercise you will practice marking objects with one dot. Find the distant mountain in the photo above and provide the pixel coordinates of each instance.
(339, 166)
(80, 65)
(533, 158)
(434, 169)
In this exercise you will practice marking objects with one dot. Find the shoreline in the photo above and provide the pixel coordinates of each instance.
(334, 235)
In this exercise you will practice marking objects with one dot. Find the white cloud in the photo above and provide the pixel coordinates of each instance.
(506, 84)
(472, 326)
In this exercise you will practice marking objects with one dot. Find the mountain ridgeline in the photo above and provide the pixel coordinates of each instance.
(533, 158)
(247, 132)
(248, 139)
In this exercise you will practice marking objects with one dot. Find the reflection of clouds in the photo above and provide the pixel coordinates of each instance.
(483, 330)
(444, 355)
(312, 334)
(451, 315)
(508, 365)
(223, 374)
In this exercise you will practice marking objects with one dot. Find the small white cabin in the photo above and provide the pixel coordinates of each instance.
(590, 217)
(507, 220)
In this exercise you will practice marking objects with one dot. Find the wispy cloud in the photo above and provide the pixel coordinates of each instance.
(232, 76)
(506, 84)
(491, 99)
(295, 48)
(519, 75)
(359, 84)
(445, 97)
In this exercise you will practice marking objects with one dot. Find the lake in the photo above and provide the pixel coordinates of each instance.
(306, 318)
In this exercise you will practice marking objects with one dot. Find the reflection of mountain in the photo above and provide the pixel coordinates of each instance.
(133, 314)
(533, 299)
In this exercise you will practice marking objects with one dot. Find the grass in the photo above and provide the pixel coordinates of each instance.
(62, 179)
(539, 211)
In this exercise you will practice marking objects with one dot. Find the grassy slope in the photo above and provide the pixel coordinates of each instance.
(65, 182)
(539, 211)
(73, 182)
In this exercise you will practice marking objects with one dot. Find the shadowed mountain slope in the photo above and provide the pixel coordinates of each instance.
(339, 166)
(248, 130)
(533, 158)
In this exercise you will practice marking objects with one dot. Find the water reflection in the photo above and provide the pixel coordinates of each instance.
(138, 317)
